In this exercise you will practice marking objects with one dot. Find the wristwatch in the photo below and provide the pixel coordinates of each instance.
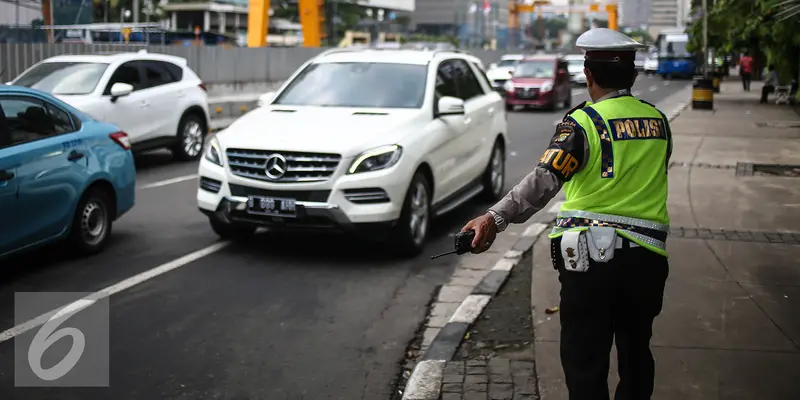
(499, 221)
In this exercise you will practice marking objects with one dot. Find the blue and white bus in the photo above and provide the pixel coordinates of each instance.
(673, 58)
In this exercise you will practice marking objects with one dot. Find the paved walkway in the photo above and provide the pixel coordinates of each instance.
(730, 326)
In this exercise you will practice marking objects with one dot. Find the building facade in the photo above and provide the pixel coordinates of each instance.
(668, 14)
(635, 13)
(449, 17)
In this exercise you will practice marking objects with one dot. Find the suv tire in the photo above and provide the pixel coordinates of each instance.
(412, 228)
(191, 138)
(495, 174)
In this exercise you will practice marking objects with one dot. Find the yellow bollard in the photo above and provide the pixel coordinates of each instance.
(702, 94)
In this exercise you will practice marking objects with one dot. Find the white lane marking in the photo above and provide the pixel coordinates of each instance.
(115, 288)
(666, 83)
(535, 229)
(425, 381)
(512, 254)
(504, 264)
(653, 88)
(555, 208)
(636, 94)
(513, 154)
(169, 181)
(470, 308)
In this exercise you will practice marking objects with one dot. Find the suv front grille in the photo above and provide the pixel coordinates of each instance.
(284, 166)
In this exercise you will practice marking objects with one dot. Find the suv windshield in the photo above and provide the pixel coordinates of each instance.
(535, 69)
(63, 78)
(364, 85)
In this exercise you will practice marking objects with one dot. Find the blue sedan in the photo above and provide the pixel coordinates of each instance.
(63, 175)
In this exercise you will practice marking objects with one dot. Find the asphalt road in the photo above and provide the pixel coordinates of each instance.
(296, 317)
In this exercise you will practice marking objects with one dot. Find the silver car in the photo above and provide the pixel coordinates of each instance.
(575, 69)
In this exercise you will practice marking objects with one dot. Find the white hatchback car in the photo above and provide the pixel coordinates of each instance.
(365, 141)
(155, 98)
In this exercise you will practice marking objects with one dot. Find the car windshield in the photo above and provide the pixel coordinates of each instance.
(535, 69)
(575, 64)
(507, 63)
(673, 49)
(363, 85)
(64, 78)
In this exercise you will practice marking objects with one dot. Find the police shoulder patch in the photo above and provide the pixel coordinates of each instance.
(578, 107)
(564, 130)
(565, 155)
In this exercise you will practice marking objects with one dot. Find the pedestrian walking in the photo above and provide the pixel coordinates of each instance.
(610, 156)
(746, 70)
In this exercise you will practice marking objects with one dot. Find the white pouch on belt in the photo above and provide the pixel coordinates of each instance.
(602, 241)
(575, 251)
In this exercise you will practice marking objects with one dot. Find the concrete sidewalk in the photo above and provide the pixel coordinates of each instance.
(730, 325)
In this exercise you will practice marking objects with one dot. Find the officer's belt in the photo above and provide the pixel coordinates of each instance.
(649, 232)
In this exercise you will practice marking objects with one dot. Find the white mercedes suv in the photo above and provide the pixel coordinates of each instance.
(360, 140)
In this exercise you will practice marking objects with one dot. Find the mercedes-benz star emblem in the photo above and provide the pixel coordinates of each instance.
(275, 166)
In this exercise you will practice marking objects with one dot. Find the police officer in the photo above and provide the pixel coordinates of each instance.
(610, 156)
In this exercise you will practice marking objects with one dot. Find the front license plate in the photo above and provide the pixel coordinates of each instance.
(278, 207)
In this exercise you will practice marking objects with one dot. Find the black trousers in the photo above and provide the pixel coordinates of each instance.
(765, 91)
(745, 80)
(614, 300)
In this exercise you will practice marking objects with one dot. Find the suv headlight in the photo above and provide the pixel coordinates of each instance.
(213, 152)
(376, 159)
(508, 86)
(546, 87)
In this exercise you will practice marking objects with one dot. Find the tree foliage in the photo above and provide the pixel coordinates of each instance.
(766, 26)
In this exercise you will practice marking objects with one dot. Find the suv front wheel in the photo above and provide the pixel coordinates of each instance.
(415, 218)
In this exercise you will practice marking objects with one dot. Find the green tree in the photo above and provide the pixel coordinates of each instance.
(767, 27)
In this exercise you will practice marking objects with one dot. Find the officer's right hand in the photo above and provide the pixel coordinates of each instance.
(485, 232)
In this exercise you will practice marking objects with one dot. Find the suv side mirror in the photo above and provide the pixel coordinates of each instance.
(266, 99)
(120, 89)
(450, 106)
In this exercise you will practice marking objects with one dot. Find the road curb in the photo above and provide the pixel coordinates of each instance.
(680, 99)
(426, 378)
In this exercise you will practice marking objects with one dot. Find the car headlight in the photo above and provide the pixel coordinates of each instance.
(546, 87)
(376, 159)
(213, 152)
(508, 86)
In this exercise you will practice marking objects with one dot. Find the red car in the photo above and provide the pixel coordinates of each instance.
(540, 81)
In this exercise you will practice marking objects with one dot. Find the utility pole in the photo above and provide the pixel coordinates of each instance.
(705, 38)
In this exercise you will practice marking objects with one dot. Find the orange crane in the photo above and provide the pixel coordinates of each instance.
(312, 20)
(540, 7)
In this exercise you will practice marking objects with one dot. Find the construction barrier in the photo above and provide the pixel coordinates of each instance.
(702, 93)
